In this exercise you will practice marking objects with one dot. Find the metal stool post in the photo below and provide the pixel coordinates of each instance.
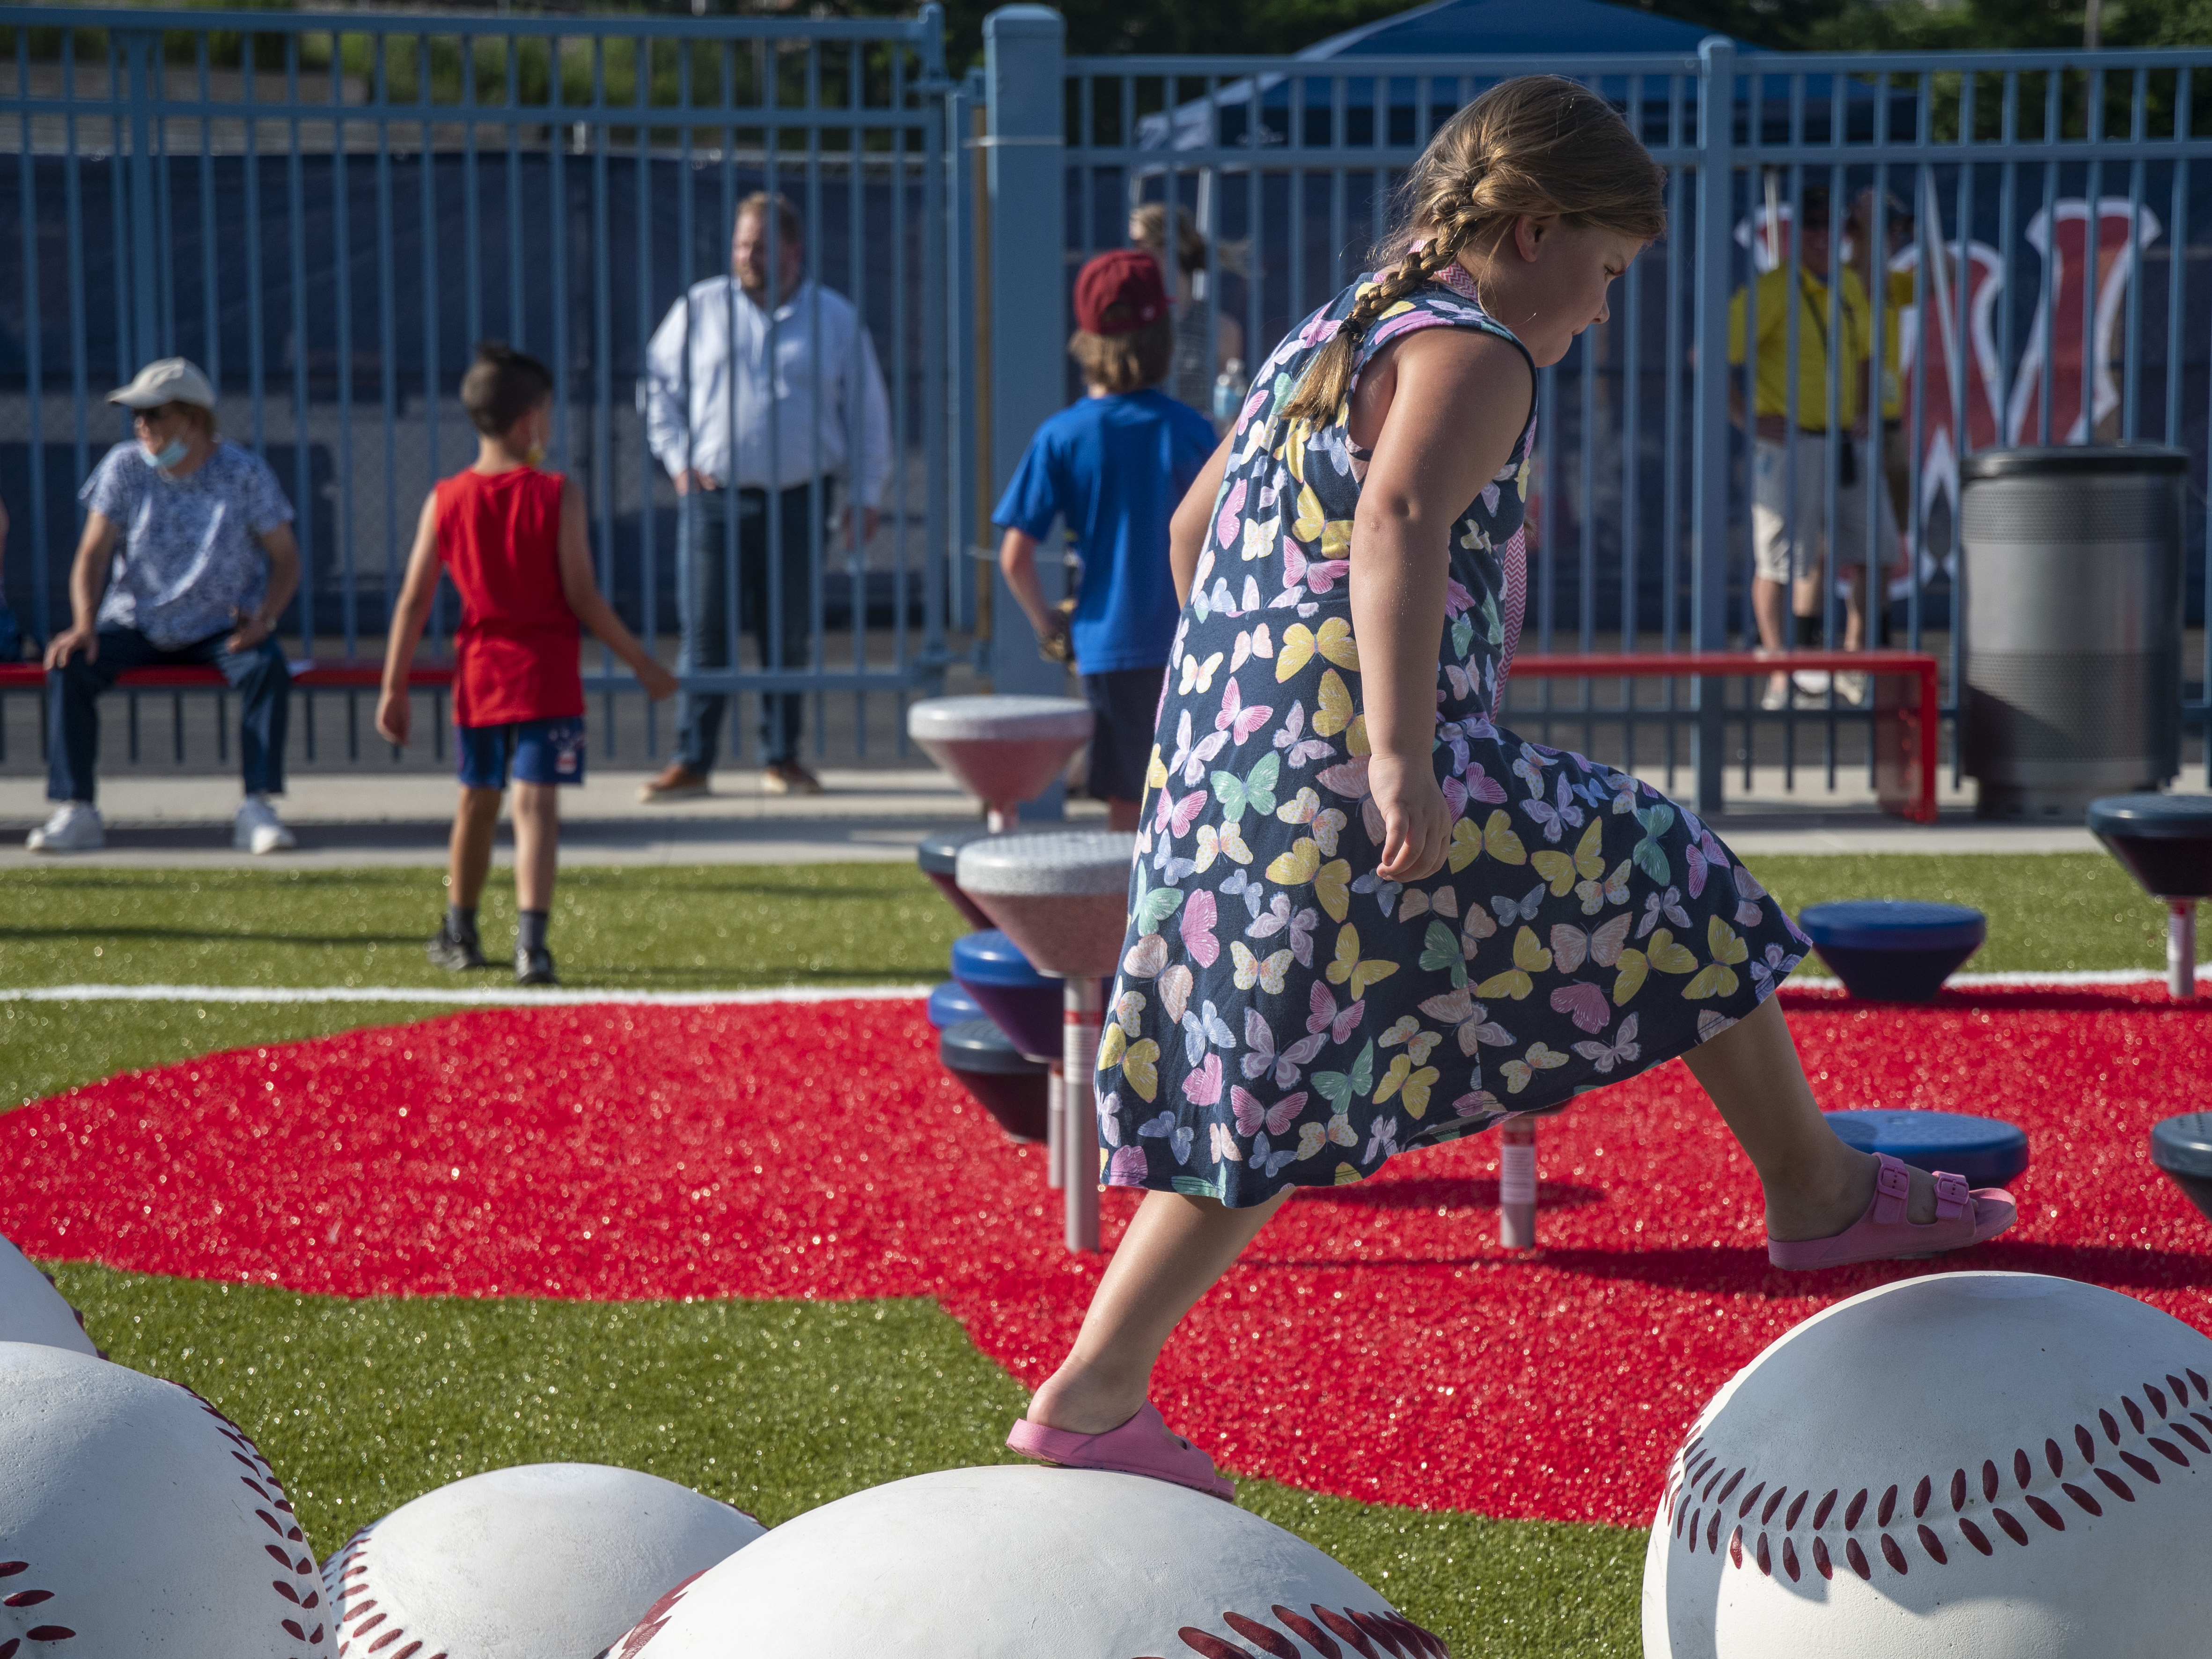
(1055, 1123)
(1078, 1125)
(1517, 1184)
(2181, 948)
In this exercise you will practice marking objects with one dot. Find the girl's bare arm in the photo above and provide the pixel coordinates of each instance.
(1441, 409)
(1187, 530)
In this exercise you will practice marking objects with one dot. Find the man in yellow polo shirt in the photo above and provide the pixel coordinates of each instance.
(1791, 535)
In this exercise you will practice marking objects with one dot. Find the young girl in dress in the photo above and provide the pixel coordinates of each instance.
(1362, 918)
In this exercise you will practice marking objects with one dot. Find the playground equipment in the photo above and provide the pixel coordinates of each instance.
(547, 1557)
(1003, 751)
(33, 1310)
(949, 1006)
(137, 1521)
(1986, 1152)
(938, 853)
(1062, 897)
(1972, 1464)
(1016, 1561)
(1011, 1086)
(2165, 842)
(1893, 950)
(2182, 1146)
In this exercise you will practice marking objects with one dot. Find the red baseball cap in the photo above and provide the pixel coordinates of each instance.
(1127, 277)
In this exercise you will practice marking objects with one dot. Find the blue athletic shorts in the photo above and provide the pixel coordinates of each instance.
(537, 751)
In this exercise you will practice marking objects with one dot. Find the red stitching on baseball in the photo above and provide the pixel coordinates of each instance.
(2203, 1391)
(1765, 1561)
(1252, 1630)
(1888, 1508)
(1856, 1557)
(1749, 1498)
(1375, 1627)
(2081, 1497)
(1894, 1555)
(2087, 1442)
(1989, 1480)
(2134, 1411)
(1211, 1646)
(1826, 1568)
(1346, 1630)
(1976, 1536)
(1733, 1480)
(1736, 1546)
(2119, 1487)
(1305, 1628)
(2171, 1452)
(2141, 1466)
(2190, 1434)
(1713, 1533)
(1796, 1509)
(1921, 1494)
(2022, 1470)
(2012, 1529)
(1857, 1509)
(1821, 1515)
(1772, 1505)
(2111, 1428)
(2055, 1457)
(1933, 1545)
(2045, 1511)
(1790, 1560)
(2157, 1398)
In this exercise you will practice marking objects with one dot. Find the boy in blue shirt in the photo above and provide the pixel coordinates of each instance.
(1113, 466)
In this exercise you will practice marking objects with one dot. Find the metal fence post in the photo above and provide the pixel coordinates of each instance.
(1027, 187)
(142, 269)
(1709, 510)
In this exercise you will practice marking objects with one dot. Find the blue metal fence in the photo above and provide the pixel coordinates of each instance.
(326, 210)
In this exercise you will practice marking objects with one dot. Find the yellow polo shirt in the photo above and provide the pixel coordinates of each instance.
(1855, 323)
(1902, 288)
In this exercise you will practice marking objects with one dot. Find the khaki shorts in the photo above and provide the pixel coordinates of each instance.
(1788, 547)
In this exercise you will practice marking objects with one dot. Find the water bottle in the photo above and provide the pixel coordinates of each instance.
(1228, 392)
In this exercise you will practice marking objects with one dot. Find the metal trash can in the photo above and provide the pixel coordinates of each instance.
(2072, 574)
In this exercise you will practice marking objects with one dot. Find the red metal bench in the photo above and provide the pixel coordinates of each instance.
(1907, 712)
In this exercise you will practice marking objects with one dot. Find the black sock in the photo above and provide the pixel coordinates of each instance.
(461, 921)
(1809, 632)
(530, 929)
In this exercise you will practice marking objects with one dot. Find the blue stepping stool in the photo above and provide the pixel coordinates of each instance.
(938, 855)
(2182, 1146)
(1025, 1004)
(950, 1006)
(2165, 842)
(1986, 1150)
(1004, 1082)
(1893, 950)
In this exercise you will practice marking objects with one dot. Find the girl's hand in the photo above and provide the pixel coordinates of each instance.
(1416, 822)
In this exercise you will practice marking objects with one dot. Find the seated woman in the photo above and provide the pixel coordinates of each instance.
(187, 556)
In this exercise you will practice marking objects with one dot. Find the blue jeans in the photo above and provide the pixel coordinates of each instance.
(259, 676)
(704, 576)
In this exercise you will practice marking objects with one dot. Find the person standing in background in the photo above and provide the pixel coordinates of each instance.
(1868, 245)
(751, 383)
(1192, 373)
(1111, 466)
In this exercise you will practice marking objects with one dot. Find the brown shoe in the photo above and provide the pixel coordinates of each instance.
(790, 778)
(676, 783)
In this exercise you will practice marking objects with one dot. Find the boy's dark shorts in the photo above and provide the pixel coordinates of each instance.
(1128, 703)
(537, 751)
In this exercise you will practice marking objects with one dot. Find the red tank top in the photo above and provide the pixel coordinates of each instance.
(518, 646)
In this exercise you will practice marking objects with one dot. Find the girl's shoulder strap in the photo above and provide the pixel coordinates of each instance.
(1446, 300)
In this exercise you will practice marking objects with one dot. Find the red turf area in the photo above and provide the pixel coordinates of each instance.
(1374, 1344)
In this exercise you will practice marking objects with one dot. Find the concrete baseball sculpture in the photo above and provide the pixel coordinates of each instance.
(1012, 1562)
(33, 1310)
(1964, 1466)
(136, 1520)
(550, 1559)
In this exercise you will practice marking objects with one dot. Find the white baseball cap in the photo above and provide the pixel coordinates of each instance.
(167, 381)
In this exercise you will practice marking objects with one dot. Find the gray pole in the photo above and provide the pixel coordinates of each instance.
(1709, 509)
(1021, 58)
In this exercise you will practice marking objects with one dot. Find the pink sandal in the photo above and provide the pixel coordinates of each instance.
(1963, 1217)
(1139, 1446)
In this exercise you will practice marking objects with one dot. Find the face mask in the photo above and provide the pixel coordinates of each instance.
(175, 451)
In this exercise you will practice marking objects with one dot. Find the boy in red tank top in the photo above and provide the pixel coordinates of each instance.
(513, 539)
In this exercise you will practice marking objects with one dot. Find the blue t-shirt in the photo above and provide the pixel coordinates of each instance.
(1114, 468)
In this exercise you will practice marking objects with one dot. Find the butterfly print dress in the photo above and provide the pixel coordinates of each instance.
(1284, 1016)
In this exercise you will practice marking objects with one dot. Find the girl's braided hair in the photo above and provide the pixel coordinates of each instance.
(1537, 144)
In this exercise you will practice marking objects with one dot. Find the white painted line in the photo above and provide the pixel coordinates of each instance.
(520, 996)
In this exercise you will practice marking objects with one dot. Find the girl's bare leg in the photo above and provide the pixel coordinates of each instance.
(1174, 1249)
(1815, 1185)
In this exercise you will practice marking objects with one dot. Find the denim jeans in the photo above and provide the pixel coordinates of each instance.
(704, 576)
(259, 676)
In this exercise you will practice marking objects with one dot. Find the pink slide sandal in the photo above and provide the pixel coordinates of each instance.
(1883, 1234)
(1140, 1446)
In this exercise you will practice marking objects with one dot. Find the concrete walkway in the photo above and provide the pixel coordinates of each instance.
(875, 815)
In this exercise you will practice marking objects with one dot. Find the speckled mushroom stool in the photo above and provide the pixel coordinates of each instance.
(1063, 897)
(1004, 750)
(2165, 842)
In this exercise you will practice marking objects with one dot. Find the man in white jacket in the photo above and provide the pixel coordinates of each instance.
(756, 396)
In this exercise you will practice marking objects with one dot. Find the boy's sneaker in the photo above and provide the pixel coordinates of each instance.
(74, 828)
(257, 828)
(534, 967)
(456, 951)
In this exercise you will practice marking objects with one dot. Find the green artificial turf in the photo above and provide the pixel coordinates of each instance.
(718, 927)
(46, 1047)
(776, 1407)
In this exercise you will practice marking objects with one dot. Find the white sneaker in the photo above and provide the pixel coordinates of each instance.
(1813, 682)
(1851, 686)
(1776, 697)
(257, 828)
(74, 828)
